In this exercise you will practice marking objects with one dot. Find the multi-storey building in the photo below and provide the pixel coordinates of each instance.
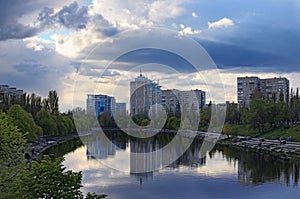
(173, 100)
(120, 108)
(99, 104)
(143, 94)
(9, 95)
(169, 100)
(277, 88)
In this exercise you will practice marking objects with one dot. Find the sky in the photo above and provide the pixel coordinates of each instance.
(88, 46)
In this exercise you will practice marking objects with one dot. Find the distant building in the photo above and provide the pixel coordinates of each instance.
(143, 94)
(173, 100)
(169, 101)
(120, 108)
(99, 104)
(277, 88)
(9, 95)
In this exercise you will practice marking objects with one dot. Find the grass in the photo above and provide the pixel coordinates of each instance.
(242, 130)
(285, 132)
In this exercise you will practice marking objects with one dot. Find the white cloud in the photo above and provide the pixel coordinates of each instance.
(128, 13)
(189, 31)
(181, 26)
(194, 15)
(222, 23)
(161, 10)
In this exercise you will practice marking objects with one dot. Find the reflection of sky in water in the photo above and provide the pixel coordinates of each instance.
(97, 173)
(216, 178)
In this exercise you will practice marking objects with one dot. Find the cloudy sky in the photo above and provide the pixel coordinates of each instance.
(68, 45)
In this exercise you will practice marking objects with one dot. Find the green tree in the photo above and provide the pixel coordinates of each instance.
(259, 114)
(47, 123)
(12, 159)
(53, 102)
(105, 119)
(95, 196)
(24, 122)
(48, 179)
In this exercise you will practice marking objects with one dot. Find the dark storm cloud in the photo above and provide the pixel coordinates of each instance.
(70, 16)
(266, 33)
(158, 56)
(10, 12)
(33, 69)
(103, 26)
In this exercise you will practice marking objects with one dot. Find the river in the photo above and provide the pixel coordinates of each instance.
(221, 173)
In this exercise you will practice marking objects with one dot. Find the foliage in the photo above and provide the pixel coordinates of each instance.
(106, 120)
(95, 196)
(51, 103)
(11, 157)
(46, 122)
(48, 179)
(24, 122)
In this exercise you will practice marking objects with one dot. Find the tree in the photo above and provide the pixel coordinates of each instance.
(95, 196)
(47, 123)
(105, 120)
(11, 157)
(53, 102)
(259, 114)
(48, 179)
(24, 122)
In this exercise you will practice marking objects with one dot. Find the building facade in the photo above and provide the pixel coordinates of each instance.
(270, 88)
(173, 100)
(98, 104)
(143, 94)
(9, 94)
(120, 108)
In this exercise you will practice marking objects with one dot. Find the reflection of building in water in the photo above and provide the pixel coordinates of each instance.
(244, 176)
(100, 149)
(145, 156)
(192, 157)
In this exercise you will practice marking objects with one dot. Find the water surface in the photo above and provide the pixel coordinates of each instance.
(221, 173)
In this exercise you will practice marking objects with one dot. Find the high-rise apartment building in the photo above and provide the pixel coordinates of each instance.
(99, 104)
(277, 88)
(143, 94)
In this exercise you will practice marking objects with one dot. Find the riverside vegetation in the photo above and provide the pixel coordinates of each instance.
(24, 120)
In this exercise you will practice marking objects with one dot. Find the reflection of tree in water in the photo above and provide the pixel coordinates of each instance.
(254, 168)
(63, 148)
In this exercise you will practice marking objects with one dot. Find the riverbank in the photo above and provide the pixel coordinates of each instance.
(279, 148)
(38, 146)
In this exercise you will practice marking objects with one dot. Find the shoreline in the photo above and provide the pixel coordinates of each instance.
(37, 147)
(283, 149)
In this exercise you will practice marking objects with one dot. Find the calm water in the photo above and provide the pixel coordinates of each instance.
(221, 173)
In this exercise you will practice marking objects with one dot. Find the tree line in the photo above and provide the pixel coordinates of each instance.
(36, 116)
(262, 114)
(266, 113)
(40, 179)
